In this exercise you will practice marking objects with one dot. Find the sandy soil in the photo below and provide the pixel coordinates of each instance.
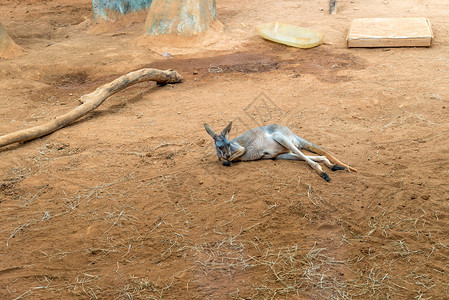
(130, 202)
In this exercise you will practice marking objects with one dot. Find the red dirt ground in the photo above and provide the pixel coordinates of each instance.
(130, 202)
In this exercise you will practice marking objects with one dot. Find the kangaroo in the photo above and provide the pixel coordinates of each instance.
(272, 142)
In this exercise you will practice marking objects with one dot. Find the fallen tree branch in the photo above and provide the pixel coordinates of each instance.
(90, 102)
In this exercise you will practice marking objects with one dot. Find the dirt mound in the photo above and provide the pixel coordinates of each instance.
(181, 44)
(8, 48)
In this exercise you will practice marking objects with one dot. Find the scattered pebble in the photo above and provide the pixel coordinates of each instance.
(167, 55)
(435, 97)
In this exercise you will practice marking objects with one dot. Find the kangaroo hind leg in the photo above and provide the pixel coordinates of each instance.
(336, 164)
(323, 159)
(287, 143)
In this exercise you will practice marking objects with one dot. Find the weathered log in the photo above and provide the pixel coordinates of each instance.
(90, 102)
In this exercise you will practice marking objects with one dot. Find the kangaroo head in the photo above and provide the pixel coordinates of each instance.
(222, 144)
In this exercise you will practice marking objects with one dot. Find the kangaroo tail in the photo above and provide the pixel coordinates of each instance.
(320, 151)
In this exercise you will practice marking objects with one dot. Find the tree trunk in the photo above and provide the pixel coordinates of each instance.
(187, 17)
(110, 10)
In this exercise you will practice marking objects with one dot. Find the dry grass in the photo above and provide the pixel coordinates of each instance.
(278, 270)
(389, 268)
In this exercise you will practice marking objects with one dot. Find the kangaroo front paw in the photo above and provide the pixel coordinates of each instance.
(337, 167)
(227, 163)
(325, 176)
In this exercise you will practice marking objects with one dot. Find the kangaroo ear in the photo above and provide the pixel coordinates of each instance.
(227, 129)
(210, 131)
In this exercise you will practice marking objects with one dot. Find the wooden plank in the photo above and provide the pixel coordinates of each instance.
(390, 32)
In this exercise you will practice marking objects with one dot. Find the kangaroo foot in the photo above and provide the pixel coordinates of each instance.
(325, 176)
(227, 163)
(337, 167)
